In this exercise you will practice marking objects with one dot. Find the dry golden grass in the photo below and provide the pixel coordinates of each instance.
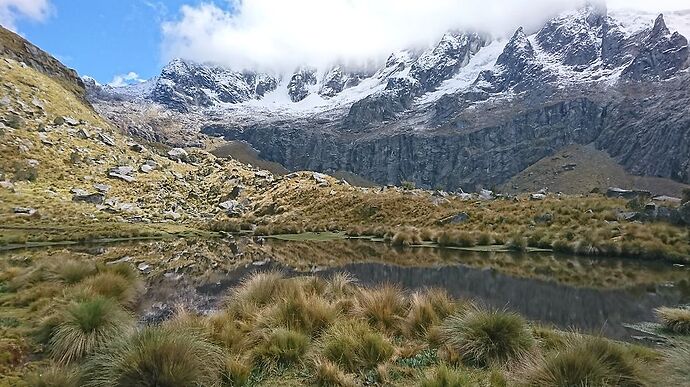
(675, 319)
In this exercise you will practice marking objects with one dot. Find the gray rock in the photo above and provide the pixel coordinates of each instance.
(103, 188)
(145, 168)
(105, 139)
(486, 194)
(459, 218)
(93, 198)
(545, 218)
(614, 192)
(70, 121)
(537, 196)
(24, 210)
(137, 148)
(83, 134)
(122, 173)
(178, 154)
(320, 179)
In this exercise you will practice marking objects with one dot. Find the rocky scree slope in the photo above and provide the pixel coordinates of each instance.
(471, 111)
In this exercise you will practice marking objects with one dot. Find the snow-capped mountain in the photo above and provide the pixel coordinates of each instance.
(588, 64)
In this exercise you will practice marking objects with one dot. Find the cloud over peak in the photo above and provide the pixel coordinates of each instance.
(280, 35)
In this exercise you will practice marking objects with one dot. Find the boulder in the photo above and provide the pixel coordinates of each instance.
(537, 196)
(83, 134)
(614, 192)
(107, 140)
(24, 210)
(145, 168)
(461, 217)
(485, 194)
(70, 121)
(178, 154)
(137, 148)
(320, 179)
(122, 173)
(104, 188)
(546, 218)
(93, 198)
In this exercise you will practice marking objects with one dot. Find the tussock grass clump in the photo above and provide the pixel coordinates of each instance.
(307, 314)
(675, 319)
(487, 337)
(383, 307)
(340, 285)
(54, 377)
(156, 356)
(282, 346)
(456, 239)
(427, 309)
(406, 238)
(443, 376)
(114, 286)
(255, 292)
(354, 345)
(237, 372)
(586, 361)
(328, 374)
(84, 326)
(72, 271)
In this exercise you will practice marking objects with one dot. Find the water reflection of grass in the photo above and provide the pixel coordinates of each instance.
(576, 271)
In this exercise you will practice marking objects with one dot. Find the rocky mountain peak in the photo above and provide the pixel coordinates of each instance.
(660, 29)
(298, 88)
(453, 52)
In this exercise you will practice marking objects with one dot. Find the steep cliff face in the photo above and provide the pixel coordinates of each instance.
(457, 159)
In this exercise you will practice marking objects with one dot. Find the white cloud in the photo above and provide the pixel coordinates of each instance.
(280, 35)
(12, 10)
(125, 79)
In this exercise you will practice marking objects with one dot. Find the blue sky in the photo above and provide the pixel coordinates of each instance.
(104, 38)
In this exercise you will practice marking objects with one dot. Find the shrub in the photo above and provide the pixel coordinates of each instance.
(156, 356)
(487, 337)
(586, 361)
(383, 307)
(53, 377)
(443, 376)
(84, 326)
(328, 374)
(676, 320)
(354, 345)
(282, 347)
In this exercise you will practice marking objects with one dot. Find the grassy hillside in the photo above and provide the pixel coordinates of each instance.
(580, 169)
